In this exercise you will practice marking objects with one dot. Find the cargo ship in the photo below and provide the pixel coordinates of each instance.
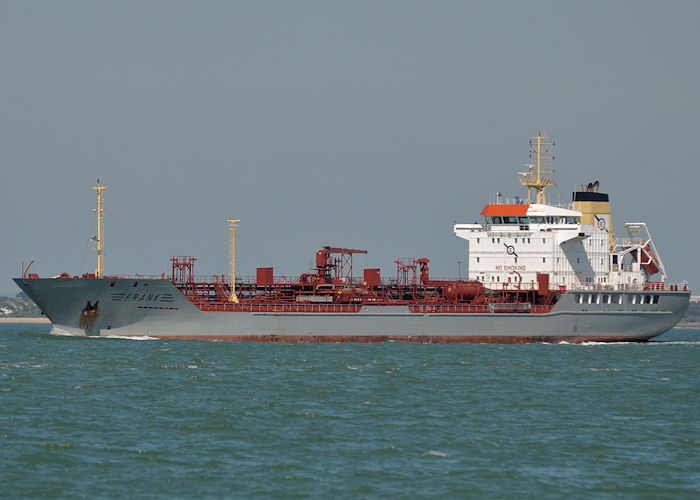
(536, 272)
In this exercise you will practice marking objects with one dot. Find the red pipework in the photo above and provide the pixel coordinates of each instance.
(183, 269)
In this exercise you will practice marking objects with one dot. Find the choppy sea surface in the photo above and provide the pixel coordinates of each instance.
(119, 418)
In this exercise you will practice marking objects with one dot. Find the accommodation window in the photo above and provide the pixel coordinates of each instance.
(544, 260)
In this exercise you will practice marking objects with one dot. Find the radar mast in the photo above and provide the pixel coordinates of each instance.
(539, 180)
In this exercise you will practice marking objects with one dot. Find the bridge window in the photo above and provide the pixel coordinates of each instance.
(523, 220)
(537, 220)
(656, 299)
(497, 220)
(510, 220)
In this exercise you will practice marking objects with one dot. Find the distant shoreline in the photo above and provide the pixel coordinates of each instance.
(25, 320)
(688, 326)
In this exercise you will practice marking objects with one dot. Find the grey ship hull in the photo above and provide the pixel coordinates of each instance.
(156, 308)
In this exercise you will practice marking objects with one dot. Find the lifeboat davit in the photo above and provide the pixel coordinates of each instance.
(648, 261)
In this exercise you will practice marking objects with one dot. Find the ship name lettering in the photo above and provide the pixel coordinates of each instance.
(141, 297)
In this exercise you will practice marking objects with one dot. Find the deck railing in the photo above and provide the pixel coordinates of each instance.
(392, 282)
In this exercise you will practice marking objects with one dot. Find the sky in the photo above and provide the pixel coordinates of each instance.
(367, 124)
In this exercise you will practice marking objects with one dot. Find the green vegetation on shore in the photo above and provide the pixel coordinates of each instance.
(692, 316)
(20, 306)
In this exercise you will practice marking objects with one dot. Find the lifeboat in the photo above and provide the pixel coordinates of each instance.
(648, 261)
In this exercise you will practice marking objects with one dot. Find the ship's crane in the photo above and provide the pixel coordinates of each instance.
(325, 262)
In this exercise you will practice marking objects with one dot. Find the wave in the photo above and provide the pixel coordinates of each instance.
(55, 330)
(126, 337)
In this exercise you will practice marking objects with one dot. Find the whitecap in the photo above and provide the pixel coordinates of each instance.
(594, 343)
(55, 330)
(434, 453)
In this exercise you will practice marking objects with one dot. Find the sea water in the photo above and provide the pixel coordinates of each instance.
(120, 418)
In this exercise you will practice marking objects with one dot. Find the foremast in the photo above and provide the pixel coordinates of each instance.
(233, 224)
(98, 241)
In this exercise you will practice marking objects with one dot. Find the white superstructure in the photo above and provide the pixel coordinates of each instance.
(574, 246)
